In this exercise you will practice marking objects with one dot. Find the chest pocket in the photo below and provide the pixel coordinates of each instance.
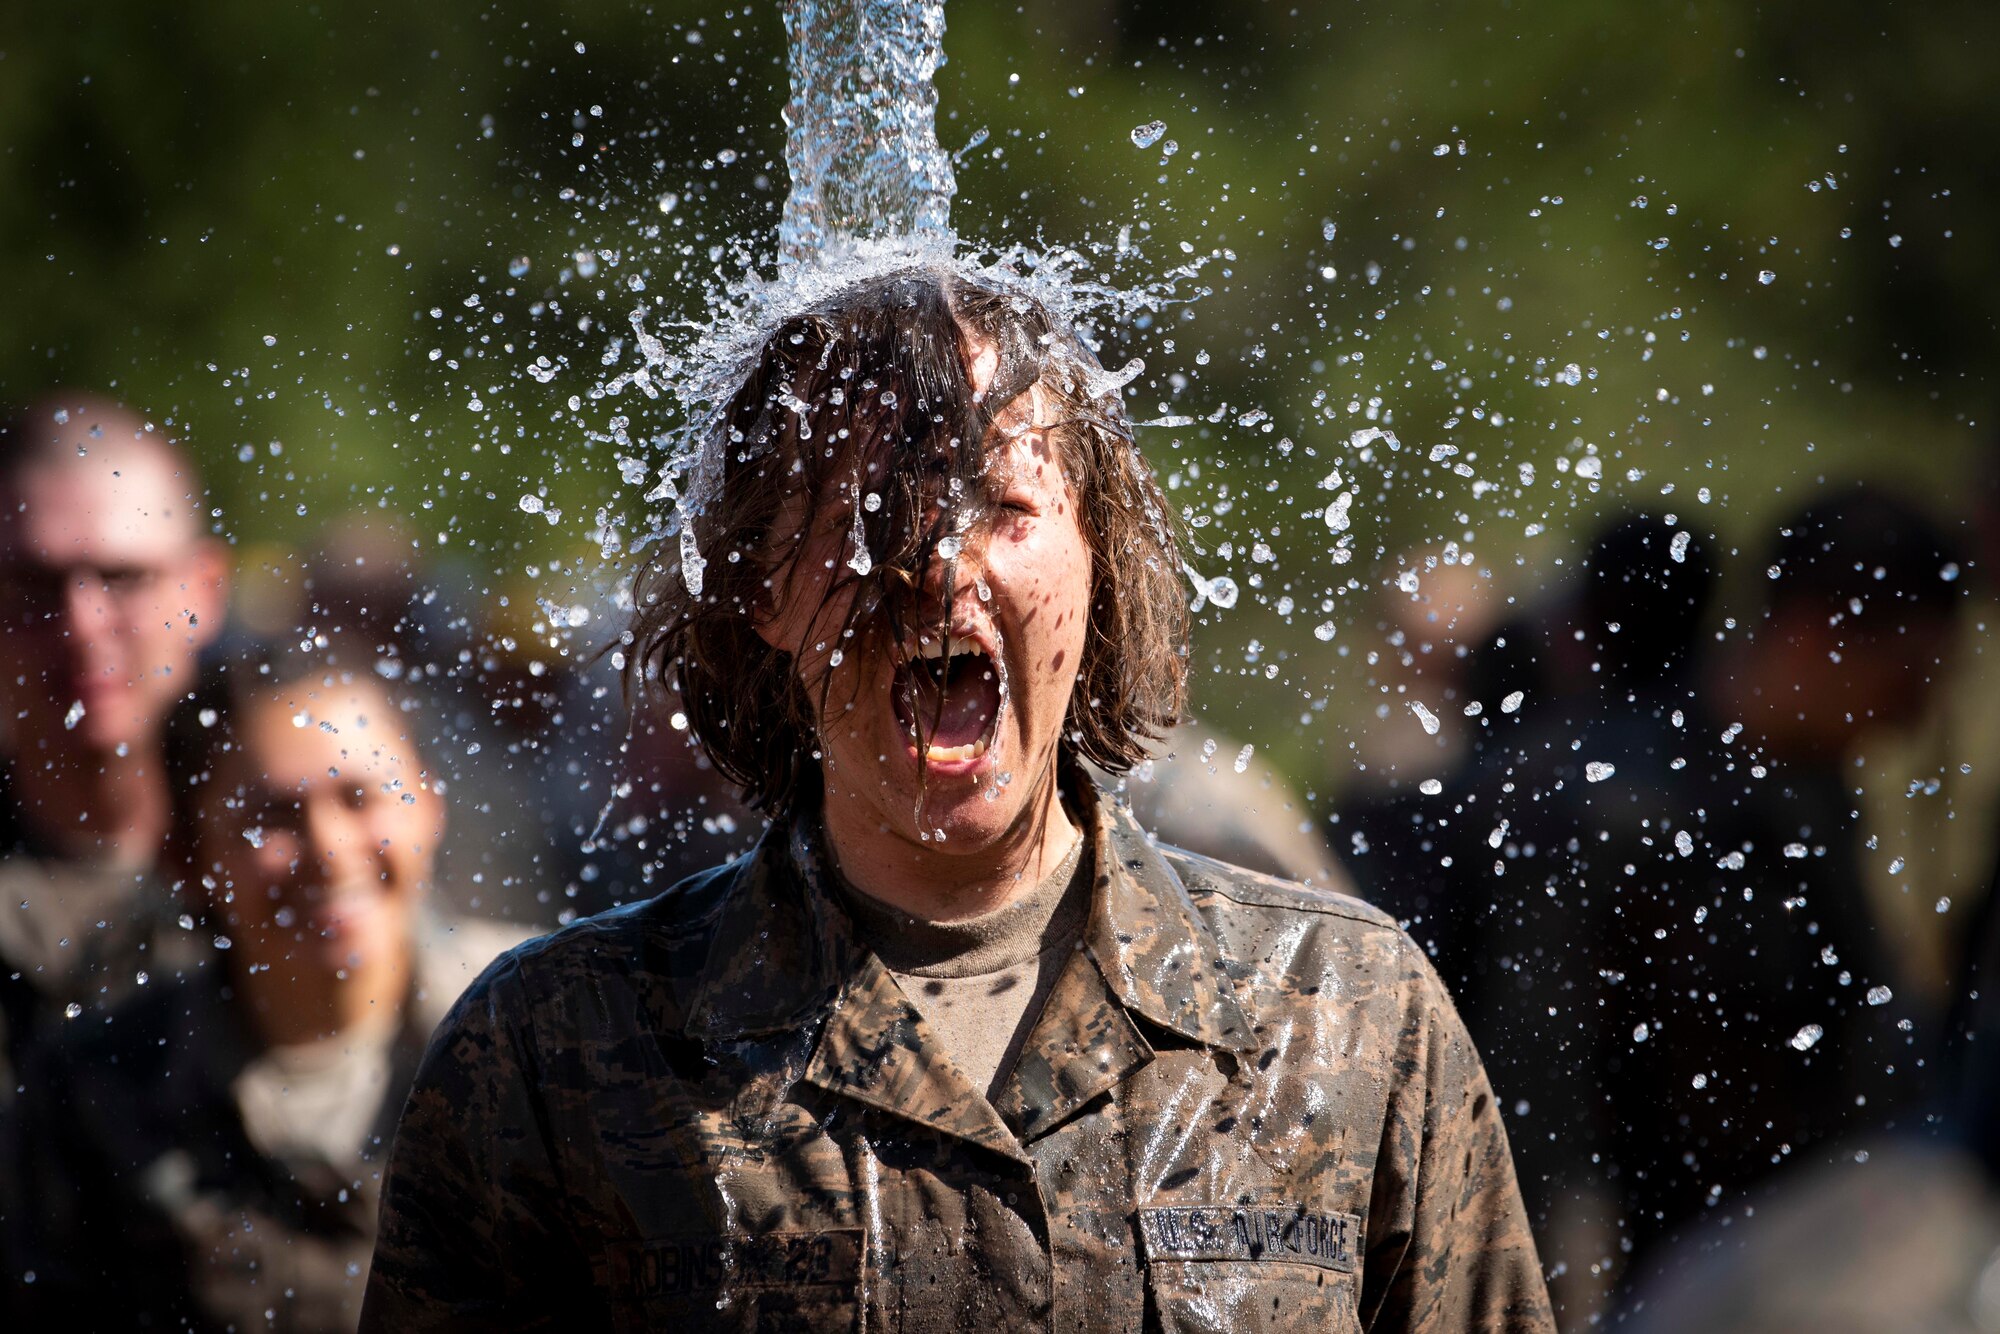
(773, 1283)
(1217, 1268)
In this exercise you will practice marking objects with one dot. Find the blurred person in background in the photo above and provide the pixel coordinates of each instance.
(210, 1160)
(1890, 1234)
(110, 587)
(568, 803)
(1249, 817)
(1433, 614)
(1931, 812)
(1753, 1022)
(1577, 777)
(378, 601)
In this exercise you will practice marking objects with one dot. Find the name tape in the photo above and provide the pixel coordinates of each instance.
(1221, 1232)
(703, 1264)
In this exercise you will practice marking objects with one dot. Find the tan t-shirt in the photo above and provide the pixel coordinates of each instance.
(980, 982)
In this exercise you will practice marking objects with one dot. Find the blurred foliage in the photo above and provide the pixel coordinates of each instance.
(261, 221)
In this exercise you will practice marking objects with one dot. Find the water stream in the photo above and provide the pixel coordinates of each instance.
(861, 126)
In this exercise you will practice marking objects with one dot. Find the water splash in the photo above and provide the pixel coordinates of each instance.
(870, 194)
(861, 127)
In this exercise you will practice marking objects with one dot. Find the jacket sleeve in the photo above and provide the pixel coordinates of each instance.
(1448, 1242)
(472, 1229)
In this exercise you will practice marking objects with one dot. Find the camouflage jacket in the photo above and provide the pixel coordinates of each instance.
(144, 1198)
(1245, 1106)
(77, 937)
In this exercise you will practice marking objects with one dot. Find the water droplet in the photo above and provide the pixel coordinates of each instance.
(1880, 995)
(1896, 866)
(1325, 631)
(1678, 548)
(74, 716)
(531, 503)
(1145, 136)
(270, 340)
(1597, 771)
(1430, 787)
(949, 547)
(1222, 591)
(1767, 277)
(518, 267)
(1700, 1081)
(1512, 703)
(1684, 843)
(1336, 513)
(72, 1010)
(1243, 757)
(1805, 1037)
(1795, 850)
(1429, 720)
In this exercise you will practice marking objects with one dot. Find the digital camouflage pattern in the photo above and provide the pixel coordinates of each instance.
(145, 1200)
(1245, 1106)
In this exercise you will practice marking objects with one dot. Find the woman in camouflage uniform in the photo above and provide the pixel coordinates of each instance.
(958, 1044)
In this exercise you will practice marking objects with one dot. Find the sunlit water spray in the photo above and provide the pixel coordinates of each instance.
(861, 127)
(871, 191)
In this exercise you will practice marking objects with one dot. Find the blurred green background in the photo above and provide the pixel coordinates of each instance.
(294, 232)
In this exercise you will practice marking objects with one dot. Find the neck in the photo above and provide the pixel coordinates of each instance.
(290, 1004)
(95, 805)
(936, 882)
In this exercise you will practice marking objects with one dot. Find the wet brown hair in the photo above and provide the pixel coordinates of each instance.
(869, 394)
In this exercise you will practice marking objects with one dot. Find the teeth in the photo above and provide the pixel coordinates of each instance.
(930, 650)
(972, 750)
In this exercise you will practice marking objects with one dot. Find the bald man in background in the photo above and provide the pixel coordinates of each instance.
(110, 587)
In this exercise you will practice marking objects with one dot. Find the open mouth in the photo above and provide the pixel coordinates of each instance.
(948, 700)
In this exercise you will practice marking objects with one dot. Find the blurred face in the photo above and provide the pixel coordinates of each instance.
(1847, 679)
(321, 832)
(107, 593)
(988, 702)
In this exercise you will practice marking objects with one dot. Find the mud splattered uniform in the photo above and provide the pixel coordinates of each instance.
(1244, 1106)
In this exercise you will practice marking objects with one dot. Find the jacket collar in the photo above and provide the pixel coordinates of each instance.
(784, 953)
(783, 947)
